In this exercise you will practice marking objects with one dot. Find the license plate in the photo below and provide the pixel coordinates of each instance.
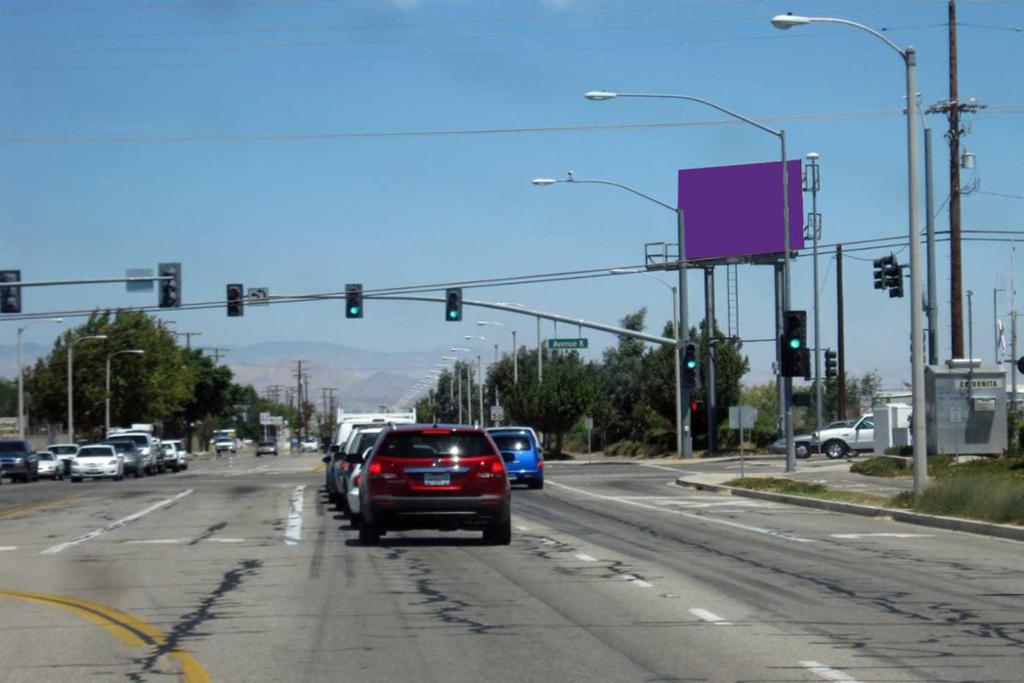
(437, 479)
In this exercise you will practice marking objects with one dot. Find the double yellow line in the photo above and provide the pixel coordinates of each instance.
(14, 512)
(130, 630)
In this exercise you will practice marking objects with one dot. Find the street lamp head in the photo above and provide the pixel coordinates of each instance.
(600, 95)
(624, 271)
(56, 320)
(789, 20)
(542, 182)
(812, 155)
(137, 352)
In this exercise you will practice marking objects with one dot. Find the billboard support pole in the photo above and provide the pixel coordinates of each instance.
(709, 327)
(787, 381)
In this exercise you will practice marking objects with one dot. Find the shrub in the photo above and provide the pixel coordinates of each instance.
(881, 467)
(992, 497)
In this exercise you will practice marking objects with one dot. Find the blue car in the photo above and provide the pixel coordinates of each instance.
(524, 458)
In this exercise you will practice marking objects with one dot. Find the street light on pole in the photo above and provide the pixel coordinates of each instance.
(71, 382)
(909, 56)
(479, 376)
(469, 387)
(684, 442)
(787, 392)
(106, 401)
(515, 349)
(21, 374)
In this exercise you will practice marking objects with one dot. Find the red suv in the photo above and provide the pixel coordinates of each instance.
(435, 477)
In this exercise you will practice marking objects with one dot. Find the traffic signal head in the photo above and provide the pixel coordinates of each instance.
(894, 280)
(690, 366)
(453, 305)
(795, 354)
(354, 300)
(170, 290)
(10, 297)
(831, 364)
(236, 301)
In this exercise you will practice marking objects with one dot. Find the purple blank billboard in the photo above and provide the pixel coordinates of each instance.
(737, 210)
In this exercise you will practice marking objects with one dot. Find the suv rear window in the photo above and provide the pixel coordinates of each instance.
(512, 442)
(96, 452)
(429, 445)
(137, 439)
(365, 440)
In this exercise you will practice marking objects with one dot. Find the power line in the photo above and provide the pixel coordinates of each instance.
(457, 132)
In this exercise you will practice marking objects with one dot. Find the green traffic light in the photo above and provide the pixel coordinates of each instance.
(794, 343)
(691, 364)
(354, 310)
(453, 314)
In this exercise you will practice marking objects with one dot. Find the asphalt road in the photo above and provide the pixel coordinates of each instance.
(239, 571)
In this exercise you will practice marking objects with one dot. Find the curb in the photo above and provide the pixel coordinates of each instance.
(1007, 531)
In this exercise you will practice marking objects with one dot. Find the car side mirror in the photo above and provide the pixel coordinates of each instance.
(353, 458)
(326, 459)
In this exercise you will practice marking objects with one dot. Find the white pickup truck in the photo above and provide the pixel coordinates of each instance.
(841, 442)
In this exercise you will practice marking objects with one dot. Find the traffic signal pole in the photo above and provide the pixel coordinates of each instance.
(683, 331)
(841, 335)
(709, 326)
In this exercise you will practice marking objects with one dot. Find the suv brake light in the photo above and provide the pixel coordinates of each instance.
(376, 471)
(491, 468)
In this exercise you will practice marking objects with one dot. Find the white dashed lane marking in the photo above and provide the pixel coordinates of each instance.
(711, 617)
(53, 550)
(583, 557)
(293, 533)
(828, 673)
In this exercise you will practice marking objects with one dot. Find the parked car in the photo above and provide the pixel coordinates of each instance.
(847, 440)
(353, 506)
(523, 456)
(18, 460)
(310, 445)
(359, 441)
(147, 445)
(50, 465)
(266, 448)
(174, 455)
(806, 444)
(131, 456)
(435, 477)
(333, 459)
(97, 461)
(66, 452)
(224, 445)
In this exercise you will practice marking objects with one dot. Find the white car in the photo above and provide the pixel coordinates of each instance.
(50, 465)
(224, 445)
(97, 462)
(353, 454)
(147, 445)
(310, 445)
(66, 452)
(840, 442)
(174, 454)
(355, 476)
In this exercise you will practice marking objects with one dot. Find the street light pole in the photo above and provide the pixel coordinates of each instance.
(21, 375)
(909, 55)
(601, 95)
(71, 381)
(814, 184)
(106, 401)
(684, 442)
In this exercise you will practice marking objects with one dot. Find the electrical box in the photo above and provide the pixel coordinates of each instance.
(966, 409)
(892, 426)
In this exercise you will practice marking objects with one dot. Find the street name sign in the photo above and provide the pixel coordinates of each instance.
(565, 344)
(497, 413)
(259, 296)
(138, 286)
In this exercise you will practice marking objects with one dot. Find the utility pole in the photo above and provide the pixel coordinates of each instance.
(841, 342)
(188, 337)
(955, 276)
(995, 325)
(970, 325)
(1013, 361)
(929, 223)
(216, 351)
(812, 183)
(298, 374)
(709, 331)
(953, 107)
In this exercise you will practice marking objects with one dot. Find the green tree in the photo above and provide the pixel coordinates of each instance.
(622, 413)
(152, 387)
(555, 404)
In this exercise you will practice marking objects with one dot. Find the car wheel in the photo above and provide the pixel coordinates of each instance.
(498, 533)
(76, 480)
(802, 450)
(354, 521)
(836, 449)
(369, 534)
(535, 484)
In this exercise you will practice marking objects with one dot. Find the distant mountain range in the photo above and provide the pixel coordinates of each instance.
(365, 379)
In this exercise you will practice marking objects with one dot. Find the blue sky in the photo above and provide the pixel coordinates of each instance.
(197, 87)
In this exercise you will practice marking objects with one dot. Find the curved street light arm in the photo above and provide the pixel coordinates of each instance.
(709, 103)
(627, 188)
(846, 22)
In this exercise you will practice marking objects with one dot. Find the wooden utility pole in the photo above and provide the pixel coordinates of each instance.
(841, 343)
(955, 276)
